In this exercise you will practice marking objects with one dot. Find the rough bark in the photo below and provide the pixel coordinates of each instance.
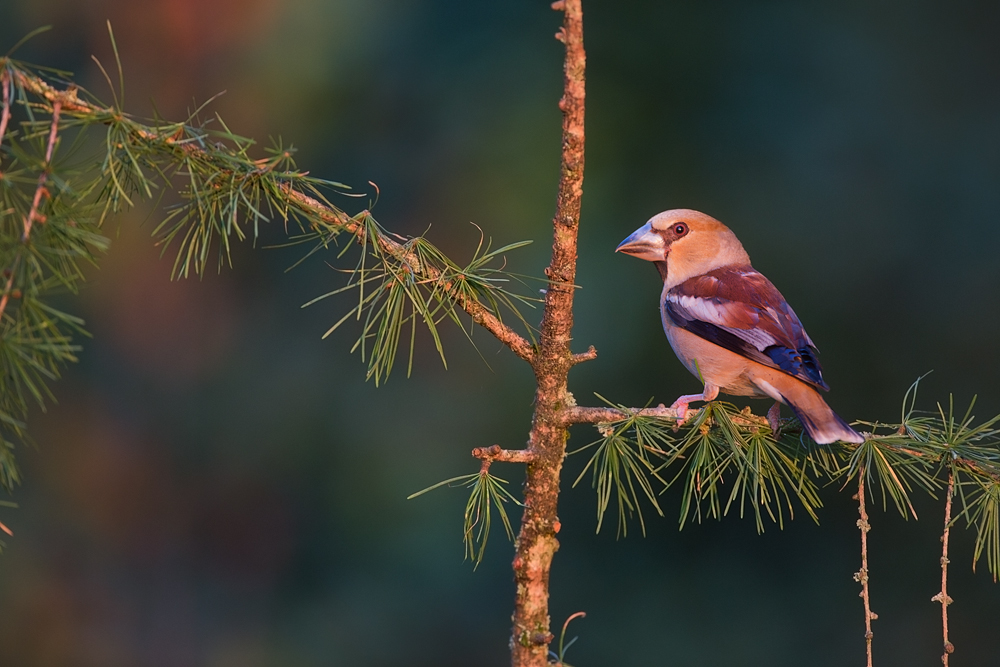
(536, 542)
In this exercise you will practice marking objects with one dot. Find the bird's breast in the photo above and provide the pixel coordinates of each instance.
(711, 363)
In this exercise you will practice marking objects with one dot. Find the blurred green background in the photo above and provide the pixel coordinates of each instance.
(217, 486)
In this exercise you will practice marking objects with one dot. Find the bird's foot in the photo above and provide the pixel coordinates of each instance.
(774, 419)
(681, 404)
(681, 408)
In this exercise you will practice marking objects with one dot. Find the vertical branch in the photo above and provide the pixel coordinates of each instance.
(5, 85)
(943, 596)
(7, 289)
(862, 575)
(536, 542)
(33, 214)
(44, 176)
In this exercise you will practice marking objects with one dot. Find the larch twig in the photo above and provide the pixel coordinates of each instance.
(943, 596)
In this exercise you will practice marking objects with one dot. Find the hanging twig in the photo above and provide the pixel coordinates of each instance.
(862, 575)
(943, 596)
(5, 85)
(33, 215)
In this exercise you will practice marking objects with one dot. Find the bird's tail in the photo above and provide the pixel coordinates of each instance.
(821, 423)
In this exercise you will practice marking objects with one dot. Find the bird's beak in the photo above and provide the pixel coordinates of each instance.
(645, 244)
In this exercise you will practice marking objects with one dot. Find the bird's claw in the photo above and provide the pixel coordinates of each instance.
(774, 420)
(682, 412)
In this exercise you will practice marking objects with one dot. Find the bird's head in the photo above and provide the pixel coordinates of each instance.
(685, 243)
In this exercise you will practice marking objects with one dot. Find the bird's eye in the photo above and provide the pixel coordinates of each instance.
(680, 229)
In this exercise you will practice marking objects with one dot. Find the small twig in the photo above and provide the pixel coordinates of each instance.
(495, 453)
(6, 293)
(862, 575)
(943, 596)
(589, 355)
(480, 314)
(5, 84)
(44, 176)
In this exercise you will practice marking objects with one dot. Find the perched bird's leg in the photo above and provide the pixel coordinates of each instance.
(774, 419)
(681, 404)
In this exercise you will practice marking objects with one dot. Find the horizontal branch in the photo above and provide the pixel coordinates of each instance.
(495, 453)
(584, 415)
(69, 98)
(589, 355)
(581, 415)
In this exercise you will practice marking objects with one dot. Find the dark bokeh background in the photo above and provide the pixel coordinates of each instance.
(218, 486)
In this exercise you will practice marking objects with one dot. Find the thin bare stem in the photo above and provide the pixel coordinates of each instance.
(862, 575)
(583, 415)
(943, 596)
(44, 176)
(5, 84)
(6, 293)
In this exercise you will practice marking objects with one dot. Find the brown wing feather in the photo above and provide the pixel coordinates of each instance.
(740, 309)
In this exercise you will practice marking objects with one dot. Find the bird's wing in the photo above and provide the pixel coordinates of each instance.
(739, 309)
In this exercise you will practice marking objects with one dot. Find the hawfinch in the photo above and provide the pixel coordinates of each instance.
(728, 324)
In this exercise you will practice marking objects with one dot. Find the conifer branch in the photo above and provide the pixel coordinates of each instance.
(480, 314)
(223, 189)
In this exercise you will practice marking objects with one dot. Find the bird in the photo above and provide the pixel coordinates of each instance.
(730, 326)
